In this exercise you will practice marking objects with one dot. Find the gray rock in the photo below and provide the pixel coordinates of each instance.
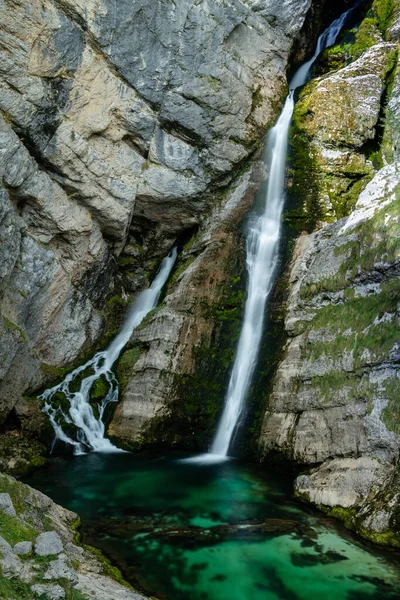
(4, 545)
(98, 586)
(132, 117)
(9, 563)
(60, 569)
(6, 505)
(48, 543)
(211, 263)
(23, 548)
(52, 592)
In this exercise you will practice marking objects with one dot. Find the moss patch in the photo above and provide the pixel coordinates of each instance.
(125, 365)
(14, 530)
(107, 567)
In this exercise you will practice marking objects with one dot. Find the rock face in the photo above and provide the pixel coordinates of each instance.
(58, 560)
(334, 404)
(173, 374)
(118, 129)
(338, 115)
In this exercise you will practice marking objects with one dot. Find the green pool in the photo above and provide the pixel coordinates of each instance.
(227, 531)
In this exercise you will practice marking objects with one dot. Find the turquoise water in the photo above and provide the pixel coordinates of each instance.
(214, 532)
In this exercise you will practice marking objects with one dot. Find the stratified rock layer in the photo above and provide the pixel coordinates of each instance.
(118, 128)
(335, 398)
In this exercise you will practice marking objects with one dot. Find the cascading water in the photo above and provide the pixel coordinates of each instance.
(80, 414)
(262, 255)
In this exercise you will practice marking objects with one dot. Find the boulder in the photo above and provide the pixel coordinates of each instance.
(23, 548)
(48, 543)
(6, 505)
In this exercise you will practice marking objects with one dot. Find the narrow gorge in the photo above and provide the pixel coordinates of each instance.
(200, 299)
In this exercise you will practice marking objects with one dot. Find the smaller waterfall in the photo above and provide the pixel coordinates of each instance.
(262, 256)
(80, 414)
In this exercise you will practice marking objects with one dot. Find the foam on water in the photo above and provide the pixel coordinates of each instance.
(90, 427)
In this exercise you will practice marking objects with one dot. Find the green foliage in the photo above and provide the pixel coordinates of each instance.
(384, 10)
(14, 589)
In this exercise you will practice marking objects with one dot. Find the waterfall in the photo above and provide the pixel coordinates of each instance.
(80, 414)
(262, 255)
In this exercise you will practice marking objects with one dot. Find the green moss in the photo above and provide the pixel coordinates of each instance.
(52, 372)
(391, 414)
(385, 10)
(18, 493)
(13, 589)
(347, 515)
(108, 568)
(366, 37)
(181, 266)
(16, 329)
(377, 241)
(99, 389)
(387, 538)
(14, 530)
(303, 168)
(126, 261)
(125, 365)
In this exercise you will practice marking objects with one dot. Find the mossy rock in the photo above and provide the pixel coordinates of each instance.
(20, 455)
(125, 365)
(99, 389)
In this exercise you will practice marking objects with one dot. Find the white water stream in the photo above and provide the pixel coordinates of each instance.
(262, 256)
(80, 414)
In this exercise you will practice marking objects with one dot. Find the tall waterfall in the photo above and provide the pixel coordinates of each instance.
(262, 254)
(80, 414)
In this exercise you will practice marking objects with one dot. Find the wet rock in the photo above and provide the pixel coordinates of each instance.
(117, 121)
(104, 588)
(36, 511)
(10, 564)
(195, 536)
(346, 482)
(171, 338)
(339, 114)
(48, 543)
(334, 400)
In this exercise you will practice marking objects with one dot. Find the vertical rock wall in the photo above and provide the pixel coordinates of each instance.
(335, 399)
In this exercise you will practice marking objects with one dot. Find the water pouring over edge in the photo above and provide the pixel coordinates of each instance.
(263, 239)
(91, 428)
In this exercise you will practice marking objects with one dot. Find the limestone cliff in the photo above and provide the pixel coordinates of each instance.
(119, 130)
(335, 398)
